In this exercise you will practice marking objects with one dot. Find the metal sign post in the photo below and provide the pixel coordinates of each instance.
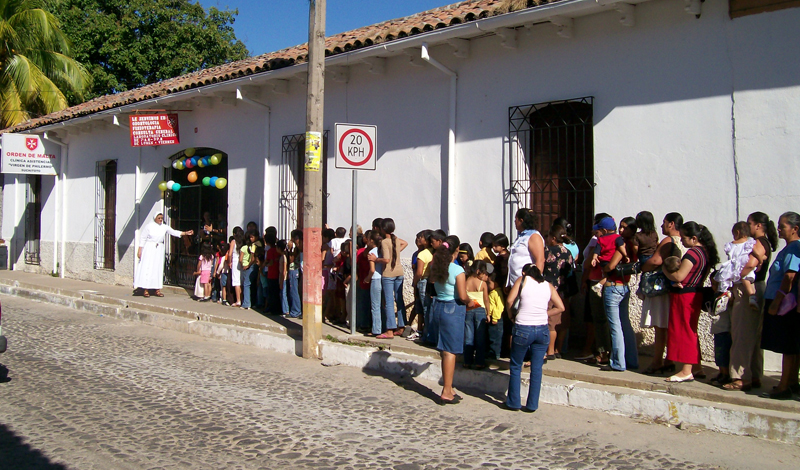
(356, 146)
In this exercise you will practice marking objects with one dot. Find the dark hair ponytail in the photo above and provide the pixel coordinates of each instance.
(675, 218)
(646, 222)
(693, 229)
(387, 227)
(533, 271)
(769, 227)
(440, 265)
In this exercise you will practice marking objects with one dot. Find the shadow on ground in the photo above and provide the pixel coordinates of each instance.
(15, 453)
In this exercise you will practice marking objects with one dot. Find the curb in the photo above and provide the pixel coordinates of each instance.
(657, 407)
(654, 405)
(170, 319)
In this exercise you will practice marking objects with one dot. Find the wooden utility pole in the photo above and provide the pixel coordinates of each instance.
(312, 186)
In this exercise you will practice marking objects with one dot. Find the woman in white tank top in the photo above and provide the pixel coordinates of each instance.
(527, 248)
(538, 300)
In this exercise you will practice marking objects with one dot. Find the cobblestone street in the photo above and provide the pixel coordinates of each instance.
(87, 392)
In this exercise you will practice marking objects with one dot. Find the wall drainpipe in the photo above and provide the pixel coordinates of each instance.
(451, 140)
(58, 266)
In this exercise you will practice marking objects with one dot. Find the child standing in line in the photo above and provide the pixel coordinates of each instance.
(273, 306)
(283, 286)
(419, 260)
(485, 245)
(494, 315)
(247, 258)
(328, 281)
(205, 265)
(295, 262)
(375, 286)
(475, 327)
(500, 247)
(223, 272)
(219, 261)
(465, 255)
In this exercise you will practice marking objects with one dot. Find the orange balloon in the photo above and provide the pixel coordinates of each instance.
(192, 177)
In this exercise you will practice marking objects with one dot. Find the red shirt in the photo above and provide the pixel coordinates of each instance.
(362, 268)
(272, 270)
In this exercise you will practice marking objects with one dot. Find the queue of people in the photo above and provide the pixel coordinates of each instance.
(512, 299)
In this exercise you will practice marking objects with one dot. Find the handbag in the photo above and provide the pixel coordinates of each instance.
(654, 284)
(628, 269)
(514, 308)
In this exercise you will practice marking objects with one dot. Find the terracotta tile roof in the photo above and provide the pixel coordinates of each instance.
(437, 18)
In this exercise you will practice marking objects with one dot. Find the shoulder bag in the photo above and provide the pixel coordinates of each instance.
(514, 308)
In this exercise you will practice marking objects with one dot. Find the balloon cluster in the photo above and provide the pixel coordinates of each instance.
(189, 160)
(192, 161)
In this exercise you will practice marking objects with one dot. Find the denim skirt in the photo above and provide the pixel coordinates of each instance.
(451, 318)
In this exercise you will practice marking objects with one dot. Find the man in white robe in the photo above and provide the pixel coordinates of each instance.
(150, 272)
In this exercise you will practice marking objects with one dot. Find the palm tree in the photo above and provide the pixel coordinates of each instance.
(35, 67)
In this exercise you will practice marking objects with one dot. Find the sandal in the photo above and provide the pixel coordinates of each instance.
(737, 385)
(387, 335)
(159, 293)
(146, 293)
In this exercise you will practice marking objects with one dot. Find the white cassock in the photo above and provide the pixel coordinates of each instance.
(150, 273)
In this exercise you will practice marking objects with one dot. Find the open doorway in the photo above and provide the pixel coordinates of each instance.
(194, 207)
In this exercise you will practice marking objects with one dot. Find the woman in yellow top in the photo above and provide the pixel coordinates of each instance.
(248, 260)
(476, 326)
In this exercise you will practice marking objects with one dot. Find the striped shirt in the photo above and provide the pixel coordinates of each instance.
(697, 275)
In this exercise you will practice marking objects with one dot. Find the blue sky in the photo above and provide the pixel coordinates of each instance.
(271, 25)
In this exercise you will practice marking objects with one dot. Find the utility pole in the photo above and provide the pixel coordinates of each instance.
(312, 185)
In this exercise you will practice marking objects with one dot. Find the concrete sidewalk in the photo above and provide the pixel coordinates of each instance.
(566, 382)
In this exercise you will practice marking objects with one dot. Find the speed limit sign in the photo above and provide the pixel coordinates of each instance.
(356, 146)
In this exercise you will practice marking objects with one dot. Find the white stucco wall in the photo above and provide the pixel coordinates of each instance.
(665, 92)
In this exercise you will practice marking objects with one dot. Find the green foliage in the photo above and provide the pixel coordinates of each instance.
(35, 67)
(128, 44)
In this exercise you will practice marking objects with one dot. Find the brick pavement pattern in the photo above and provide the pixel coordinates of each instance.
(88, 392)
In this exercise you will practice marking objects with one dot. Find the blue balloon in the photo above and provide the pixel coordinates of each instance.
(194, 161)
(176, 187)
(213, 181)
(206, 161)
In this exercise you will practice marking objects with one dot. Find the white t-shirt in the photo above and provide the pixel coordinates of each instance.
(378, 266)
(336, 246)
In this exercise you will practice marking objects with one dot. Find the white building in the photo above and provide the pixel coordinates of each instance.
(570, 107)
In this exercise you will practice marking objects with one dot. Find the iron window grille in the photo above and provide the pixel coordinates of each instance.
(291, 181)
(105, 218)
(33, 219)
(552, 163)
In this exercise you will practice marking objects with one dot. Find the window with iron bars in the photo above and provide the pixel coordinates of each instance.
(552, 163)
(290, 199)
(105, 214)
(33, 219)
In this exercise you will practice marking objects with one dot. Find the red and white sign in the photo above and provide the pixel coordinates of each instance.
(25, 154)
(356, 146)
(154, 129)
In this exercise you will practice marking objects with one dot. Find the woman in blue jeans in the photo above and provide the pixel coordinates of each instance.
(294, 257)
(392, 279)
(248, 260)
(616, 297)
(538, 301)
